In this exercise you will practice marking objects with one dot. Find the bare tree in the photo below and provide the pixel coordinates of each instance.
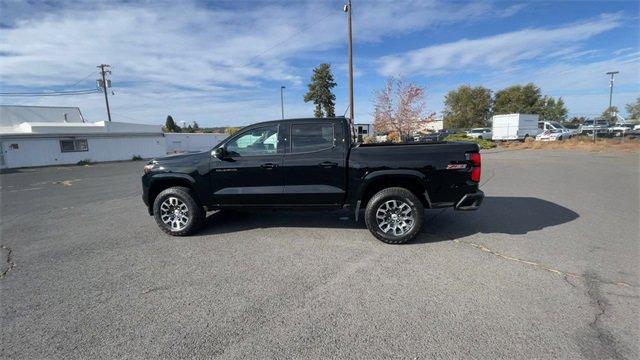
(399, 108)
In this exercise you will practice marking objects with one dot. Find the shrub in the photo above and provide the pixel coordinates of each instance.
(393, 137)
(136, 157)
(483, 144)
(369, 139)
(84, 162)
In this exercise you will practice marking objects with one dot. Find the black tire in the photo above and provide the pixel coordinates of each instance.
(195, 213)
(382, 197)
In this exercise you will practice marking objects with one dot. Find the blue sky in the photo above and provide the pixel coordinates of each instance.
(222, 63)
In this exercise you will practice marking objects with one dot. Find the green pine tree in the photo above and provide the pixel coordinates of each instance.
(170, 125)
(320, 91)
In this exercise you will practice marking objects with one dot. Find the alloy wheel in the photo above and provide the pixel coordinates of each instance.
(395, 217)
(174, 213)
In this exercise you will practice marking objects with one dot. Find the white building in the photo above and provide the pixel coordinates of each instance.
(363, 129)
(39, 136)
(185, 142)
(434, 125)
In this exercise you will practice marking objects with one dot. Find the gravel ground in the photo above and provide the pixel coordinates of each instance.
(547, 268)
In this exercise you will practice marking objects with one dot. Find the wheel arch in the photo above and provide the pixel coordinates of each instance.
(412, 180)
(162, 182)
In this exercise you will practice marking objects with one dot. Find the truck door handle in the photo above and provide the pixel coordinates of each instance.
(269, 166)
(328, 164)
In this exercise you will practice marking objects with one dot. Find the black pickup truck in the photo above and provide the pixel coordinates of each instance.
(314, 163)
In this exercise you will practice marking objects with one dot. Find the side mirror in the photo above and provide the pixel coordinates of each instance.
(219, 153)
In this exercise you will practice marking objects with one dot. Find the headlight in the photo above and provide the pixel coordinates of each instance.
(147, 168)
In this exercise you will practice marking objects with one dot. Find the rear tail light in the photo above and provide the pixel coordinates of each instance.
(476, 162)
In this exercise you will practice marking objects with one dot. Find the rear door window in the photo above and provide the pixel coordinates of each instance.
(311, 137)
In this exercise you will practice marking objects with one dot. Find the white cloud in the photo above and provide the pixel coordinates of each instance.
(497, 51)
(166, 54)
(553, 58)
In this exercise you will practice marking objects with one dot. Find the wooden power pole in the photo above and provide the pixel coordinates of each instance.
(347, 9)
(103, 72)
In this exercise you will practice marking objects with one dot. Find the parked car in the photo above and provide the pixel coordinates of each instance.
(560, 132)
(550, 135)
(314, 163)
(634, 133)
(434, 137)
(428, 138)
(573, 128)
(480, 133)
(601, 127)
(619, 130)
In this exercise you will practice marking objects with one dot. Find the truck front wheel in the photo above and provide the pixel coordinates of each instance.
(394, 215)
(177, 211)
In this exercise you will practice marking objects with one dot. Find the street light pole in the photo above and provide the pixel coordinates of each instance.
(611, 74)
(282, 100)
(347, 9)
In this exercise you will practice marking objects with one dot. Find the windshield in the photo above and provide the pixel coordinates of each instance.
(557, 125)
(477, 131)
(588, 122)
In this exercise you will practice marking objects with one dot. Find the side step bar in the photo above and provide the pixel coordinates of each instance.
(469, 202)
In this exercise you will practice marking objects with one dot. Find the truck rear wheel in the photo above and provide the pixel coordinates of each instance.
(177, 211)
(394, 215)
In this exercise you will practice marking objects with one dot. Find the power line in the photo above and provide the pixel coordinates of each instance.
(56, 92)
(81, 80)
(293, 34)
(53, 93)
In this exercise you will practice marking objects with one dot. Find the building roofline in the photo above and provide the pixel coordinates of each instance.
(29, 136)
(43, 106)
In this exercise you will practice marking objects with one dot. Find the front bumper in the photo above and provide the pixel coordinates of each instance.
(470, 201)
(145, 195)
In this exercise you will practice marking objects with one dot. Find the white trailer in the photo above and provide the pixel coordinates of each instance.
(514, 126)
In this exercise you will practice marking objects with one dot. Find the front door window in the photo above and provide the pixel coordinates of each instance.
(255, 142)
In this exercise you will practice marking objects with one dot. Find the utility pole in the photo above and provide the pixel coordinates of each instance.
(104, 86)
(347, 9)
(282, 100)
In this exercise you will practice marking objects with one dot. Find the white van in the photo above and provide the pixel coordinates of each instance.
(514, 126)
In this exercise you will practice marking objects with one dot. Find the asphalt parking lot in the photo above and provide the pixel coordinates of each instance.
(547, 268)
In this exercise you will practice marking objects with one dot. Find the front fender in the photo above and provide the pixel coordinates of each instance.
(153, 184)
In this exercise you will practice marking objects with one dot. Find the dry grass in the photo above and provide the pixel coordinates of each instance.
(578, 143)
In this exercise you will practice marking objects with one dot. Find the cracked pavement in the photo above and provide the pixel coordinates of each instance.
(547, 268)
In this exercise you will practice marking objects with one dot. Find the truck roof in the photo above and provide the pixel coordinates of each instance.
(310, 119)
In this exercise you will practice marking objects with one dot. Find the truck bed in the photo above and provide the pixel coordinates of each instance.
(445, 186)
